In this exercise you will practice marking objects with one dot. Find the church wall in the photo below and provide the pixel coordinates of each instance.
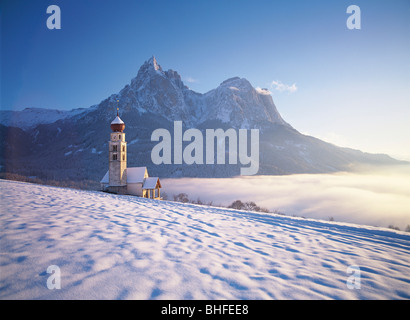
(118, 189)
(135, 189)
(117, 174)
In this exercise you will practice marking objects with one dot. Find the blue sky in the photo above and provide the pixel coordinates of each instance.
(349, 87)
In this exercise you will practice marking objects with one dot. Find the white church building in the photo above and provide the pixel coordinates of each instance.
(120, 179)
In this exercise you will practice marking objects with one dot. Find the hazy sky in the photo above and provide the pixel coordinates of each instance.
(349, 87)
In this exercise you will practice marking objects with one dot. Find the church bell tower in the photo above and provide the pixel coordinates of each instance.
(117, 157)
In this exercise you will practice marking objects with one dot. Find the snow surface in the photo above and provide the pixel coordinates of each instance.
(117, 120)
(134, 141)
(31, 117)
(122, 247)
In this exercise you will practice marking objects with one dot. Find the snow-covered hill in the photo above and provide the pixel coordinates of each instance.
(122, 247)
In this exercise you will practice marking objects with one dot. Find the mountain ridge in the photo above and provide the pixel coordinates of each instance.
(74, 146)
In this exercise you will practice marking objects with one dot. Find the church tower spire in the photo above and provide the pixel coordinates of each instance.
(117, 156)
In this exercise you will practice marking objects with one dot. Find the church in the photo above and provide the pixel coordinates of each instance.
(120, 179)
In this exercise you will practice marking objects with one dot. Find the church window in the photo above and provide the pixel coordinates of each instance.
(114, 148)
(114, 157)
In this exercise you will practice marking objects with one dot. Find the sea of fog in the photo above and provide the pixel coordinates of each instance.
(373, 197)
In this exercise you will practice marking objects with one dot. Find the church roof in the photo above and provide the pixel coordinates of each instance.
(151, 183)
(117, 120)
(106, 178)
(117, 125)
(134, 175)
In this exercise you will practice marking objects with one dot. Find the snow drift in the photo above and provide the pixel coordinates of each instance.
(122, 247)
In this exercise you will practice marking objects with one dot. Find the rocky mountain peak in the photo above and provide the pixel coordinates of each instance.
(236, 82)
(234, 101)
(153, 63)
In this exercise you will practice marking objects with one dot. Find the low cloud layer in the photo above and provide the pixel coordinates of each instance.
(263, 91)
(190, 80)
(371, 198)
(279, 86)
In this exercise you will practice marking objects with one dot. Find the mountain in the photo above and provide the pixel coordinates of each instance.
(234, 102)
(32, 117)
(73, 145)
(119, 247)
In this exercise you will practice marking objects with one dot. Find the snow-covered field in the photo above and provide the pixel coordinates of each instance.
(121, 247)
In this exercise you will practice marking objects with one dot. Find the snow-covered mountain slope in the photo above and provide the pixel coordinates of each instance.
(236, 102)
(122, 247)
(32, 117)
